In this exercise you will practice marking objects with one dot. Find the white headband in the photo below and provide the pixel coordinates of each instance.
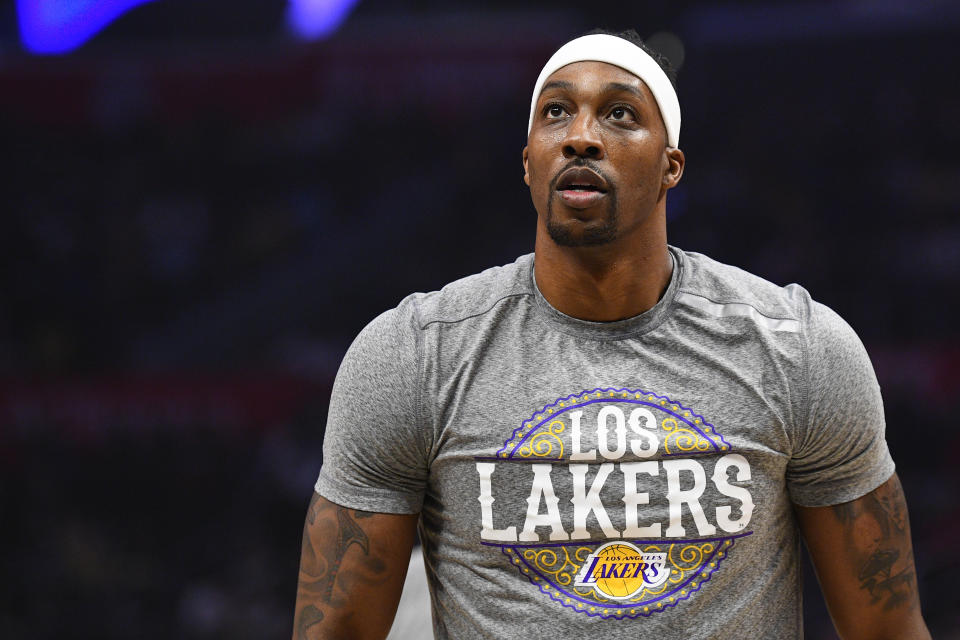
(626, 55)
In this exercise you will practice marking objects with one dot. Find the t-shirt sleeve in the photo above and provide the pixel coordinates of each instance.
(374, 447)
(841, 453)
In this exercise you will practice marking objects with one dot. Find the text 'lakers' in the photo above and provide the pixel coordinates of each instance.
(631, 475)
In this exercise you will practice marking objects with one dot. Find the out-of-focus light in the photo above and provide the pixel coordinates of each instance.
(315, 19)
(59, 26)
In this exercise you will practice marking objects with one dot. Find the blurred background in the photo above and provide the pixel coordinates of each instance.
(204, 201)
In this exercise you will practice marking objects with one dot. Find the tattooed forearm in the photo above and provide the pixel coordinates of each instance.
(320, 559)
(877, 537)
(306, 618)
(350, 559)
(313, 509)
(863, 556)
(329, 532)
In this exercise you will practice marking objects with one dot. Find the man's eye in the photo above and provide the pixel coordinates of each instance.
(555, 111)
(620, 113)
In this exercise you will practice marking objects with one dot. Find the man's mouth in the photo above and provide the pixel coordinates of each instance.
(581, 179)
(581, 188)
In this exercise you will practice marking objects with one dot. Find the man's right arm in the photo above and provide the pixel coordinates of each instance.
(352, 567)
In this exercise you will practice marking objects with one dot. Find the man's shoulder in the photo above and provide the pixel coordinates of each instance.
(472, 295)
(706, 280)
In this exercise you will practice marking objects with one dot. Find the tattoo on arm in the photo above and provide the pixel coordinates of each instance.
(320, 563)
(877, 536)
(307, 617)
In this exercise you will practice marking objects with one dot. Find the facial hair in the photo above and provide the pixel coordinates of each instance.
(593, 236)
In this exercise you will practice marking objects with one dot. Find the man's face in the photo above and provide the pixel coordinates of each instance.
(596, 159)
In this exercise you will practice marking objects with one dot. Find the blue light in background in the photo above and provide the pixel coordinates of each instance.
(315, 19)
(59, 26)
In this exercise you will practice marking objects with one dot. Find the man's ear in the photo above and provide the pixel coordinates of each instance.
(673, 169)
(526, 172)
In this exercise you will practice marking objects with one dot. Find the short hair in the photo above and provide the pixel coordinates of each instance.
(631, 36)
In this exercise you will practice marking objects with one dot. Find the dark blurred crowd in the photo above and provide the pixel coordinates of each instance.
(188, 248)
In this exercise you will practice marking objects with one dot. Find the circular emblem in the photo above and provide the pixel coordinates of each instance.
(620, 570)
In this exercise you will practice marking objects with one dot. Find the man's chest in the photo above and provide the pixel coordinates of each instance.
(620, 475)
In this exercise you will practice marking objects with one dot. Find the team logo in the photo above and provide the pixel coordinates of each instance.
(634, 501)
(620, 571)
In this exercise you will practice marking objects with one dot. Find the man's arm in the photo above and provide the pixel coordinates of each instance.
(864, 561)
(352, 567)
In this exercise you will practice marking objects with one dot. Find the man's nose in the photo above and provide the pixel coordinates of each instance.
(583, 138)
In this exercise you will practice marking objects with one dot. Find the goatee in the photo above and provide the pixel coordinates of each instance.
(592, 236)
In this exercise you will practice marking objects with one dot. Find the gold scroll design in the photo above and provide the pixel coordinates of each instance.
(683, 439)
(545, 444)
(560, 566)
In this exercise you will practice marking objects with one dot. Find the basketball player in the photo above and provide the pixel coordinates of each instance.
(610, 437)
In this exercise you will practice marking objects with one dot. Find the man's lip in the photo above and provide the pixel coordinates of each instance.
(581, 176)
(580, 199)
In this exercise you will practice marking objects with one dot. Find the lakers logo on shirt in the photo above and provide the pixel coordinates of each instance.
(634, 501)
(619, 570)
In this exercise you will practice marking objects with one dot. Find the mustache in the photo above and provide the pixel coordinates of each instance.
(585, 163)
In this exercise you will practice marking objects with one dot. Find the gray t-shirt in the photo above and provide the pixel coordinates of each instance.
(628, 479)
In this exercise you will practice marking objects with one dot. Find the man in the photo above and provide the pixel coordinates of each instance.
(611, 437)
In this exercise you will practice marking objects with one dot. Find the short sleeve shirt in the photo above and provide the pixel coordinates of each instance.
(630, 479)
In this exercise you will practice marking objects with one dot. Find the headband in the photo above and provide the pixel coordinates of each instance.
(626, 55)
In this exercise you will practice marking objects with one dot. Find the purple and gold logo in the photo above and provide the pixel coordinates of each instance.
(634, 501)
(620, 571)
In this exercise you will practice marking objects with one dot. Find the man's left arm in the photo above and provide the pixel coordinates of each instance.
(864, 561)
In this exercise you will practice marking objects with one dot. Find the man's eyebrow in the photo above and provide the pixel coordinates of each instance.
(557, 84)
(629, 88)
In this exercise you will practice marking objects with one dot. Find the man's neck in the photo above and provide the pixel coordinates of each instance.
(603, 283)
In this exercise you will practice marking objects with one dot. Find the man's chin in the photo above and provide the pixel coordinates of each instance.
(576, 234)
(588, 227)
